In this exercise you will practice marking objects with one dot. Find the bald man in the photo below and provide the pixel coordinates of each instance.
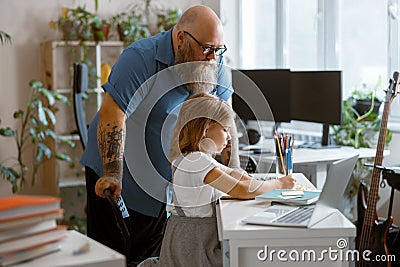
(127, 119)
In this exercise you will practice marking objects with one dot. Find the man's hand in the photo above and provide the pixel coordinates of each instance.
(108, 182)
(111, 140)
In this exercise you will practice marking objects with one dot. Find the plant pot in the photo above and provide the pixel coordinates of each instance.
(121, 34)
(70, 31)
(363, 105)
(101, 34)
(106, 30)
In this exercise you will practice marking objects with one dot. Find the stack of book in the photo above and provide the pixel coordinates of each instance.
(28, 227)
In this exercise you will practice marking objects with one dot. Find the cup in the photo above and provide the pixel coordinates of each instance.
(280, 171)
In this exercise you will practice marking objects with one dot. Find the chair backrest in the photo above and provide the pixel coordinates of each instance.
(248, 163)
(80, 85)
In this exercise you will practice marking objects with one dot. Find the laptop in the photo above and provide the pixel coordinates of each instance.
(329, 202)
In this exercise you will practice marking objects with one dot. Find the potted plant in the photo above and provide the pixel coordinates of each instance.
(130, 26)
(166, 18)
(80, 24)
(360, 123)
(365, 99)
(360, 128)
(67, 24)
(100, 29)
(36, 124)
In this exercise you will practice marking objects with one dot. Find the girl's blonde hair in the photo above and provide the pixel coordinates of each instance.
(198, 112)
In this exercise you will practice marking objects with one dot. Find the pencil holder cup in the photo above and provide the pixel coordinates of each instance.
(280, 172)
(284, 152)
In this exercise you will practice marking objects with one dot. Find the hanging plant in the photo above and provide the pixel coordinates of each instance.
(4, 38)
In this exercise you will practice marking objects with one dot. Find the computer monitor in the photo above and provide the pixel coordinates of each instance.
(316, 96)
(253, 87)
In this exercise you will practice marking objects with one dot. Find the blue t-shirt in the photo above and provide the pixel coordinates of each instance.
(151, 106)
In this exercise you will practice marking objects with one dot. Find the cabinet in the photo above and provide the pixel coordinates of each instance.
(57, 74)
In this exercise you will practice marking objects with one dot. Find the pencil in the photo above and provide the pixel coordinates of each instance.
(280, 154)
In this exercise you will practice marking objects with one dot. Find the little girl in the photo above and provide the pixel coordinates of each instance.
(202, 130)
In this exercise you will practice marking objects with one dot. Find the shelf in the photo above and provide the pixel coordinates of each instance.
(71, 182)
(87, 43)
(57, 74)
(69, 90)
(64, 90)
(71, 137)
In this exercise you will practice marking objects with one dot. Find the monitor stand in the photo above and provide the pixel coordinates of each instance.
(325, 140)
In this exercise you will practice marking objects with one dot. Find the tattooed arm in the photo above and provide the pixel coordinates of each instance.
(111, 140)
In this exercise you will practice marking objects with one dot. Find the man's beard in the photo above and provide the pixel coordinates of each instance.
(198, 76)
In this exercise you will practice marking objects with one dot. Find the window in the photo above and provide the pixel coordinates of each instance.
(258, 45)
(320, 34)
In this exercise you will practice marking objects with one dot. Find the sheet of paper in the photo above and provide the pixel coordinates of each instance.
(302, 183)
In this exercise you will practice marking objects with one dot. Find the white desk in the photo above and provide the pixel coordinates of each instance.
(97, 256)
(314, 163)
(244, 241)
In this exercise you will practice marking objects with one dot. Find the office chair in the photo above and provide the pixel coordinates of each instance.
(80, 86)
(248, 163)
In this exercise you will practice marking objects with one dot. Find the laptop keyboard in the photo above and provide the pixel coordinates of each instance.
(297, 216)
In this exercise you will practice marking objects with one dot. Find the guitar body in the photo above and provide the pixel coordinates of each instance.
(372, 233)
(378, 244)
(378, 239)
(395, 250)
(362, 195)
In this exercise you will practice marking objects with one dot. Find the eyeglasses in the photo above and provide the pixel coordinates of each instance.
(208, 50)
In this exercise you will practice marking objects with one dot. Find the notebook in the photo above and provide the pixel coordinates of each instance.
(290, 197)
(330, 201)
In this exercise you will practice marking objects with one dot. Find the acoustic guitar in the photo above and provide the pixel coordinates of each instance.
(371, 233)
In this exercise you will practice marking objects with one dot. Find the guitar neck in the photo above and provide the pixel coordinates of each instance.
(370, 214)
(375, 181)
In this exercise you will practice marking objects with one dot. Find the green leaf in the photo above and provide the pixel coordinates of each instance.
(41, 114)
(46, 151)
(40, 135)
(7, 132)
(63, 157)
(68, 142)
(62, 98)
(50, 133)
(18, 114)
(32, 134)
(39, 155)
(35, 84)
(388, 136)
(10, 175)
(4, 38)
(34, 121)
(48, 94)
(50, 115)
